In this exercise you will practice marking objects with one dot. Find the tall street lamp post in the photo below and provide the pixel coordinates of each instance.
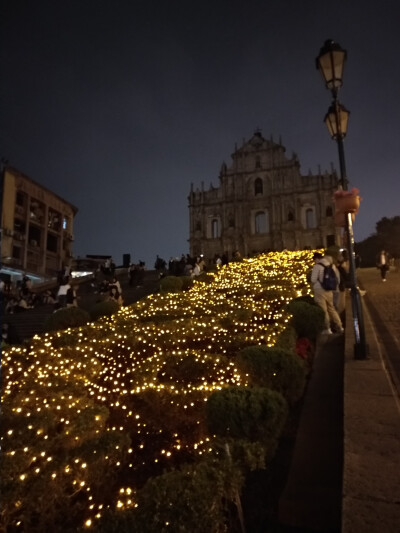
(330, 63)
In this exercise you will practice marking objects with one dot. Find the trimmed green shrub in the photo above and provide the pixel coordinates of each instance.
(287, 340)
(171, 284)
(106, 308)
(66, 317)
(280, 370)
(66, 338)
(308, 320)
(205, 277)
(238, 315)
(188, 369)
(255, 414)
(187, 283)
(190, 500)
(243, 315)
(307, 298)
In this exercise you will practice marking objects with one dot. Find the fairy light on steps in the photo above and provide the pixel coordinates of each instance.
(116, 362)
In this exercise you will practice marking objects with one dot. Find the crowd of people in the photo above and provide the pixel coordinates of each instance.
(186, 265)
(20, 296)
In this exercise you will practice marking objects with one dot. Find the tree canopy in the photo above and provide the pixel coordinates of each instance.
(387, 237)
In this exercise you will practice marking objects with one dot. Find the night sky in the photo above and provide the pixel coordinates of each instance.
(118, 106)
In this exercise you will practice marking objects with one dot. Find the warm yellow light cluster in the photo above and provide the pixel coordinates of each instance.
(139, 380)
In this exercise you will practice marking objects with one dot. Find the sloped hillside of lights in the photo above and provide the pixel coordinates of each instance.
(90, 414)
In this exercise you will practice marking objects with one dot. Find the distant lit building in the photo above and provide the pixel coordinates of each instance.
(262, 203)
(37, 227)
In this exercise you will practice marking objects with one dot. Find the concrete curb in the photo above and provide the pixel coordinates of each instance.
(371, 471)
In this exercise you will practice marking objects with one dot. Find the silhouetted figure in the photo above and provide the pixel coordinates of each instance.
(382, 262)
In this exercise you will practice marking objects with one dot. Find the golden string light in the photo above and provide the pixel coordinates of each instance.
(122, 381)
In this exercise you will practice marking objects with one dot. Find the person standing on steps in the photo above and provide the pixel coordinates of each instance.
(324, 289)
(62, 292)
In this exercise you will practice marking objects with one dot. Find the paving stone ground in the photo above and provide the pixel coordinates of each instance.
(385, 296)
(383, 302)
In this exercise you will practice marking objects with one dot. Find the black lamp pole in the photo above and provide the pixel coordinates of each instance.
(330, 63)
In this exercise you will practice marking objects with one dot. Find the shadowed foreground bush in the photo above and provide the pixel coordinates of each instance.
(190, 500)
(205, 277)
(187, 283)
(287, 340)
(66, 317)
(280, 370)
(255, 414)
(307, 319)
(100, 309)
(188, 369)
(171, 284)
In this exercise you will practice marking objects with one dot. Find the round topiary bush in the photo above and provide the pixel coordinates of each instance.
(307, 298)
(189, 369)
(280, 370)
(171, 284)
(287, 339)
(66, 317)
(187, 283)
(205, 277)
(255, 414)
(308, 320)
(192, 499)
(106, 308)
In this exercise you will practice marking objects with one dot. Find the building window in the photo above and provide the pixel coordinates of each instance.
(34, 236)
(198, 226)
(258, 186)
(258, 162)
(20, 199)
(19, 226)
(52, 243)
(310, 218)
(329, 211)
(65, 222)
(37, 211)
(54, 220)
(290, 216)
(261, 222)
(215, 229)
(16, 252)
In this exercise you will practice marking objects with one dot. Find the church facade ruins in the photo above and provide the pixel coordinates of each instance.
(262, 203)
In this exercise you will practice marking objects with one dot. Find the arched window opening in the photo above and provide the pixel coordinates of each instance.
(290, 216)
(198, 226)
(258, 186)
(310, 218)
(329, 211)
(215, 228)
(261, 222)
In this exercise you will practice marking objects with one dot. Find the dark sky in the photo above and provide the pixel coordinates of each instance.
(118, 106)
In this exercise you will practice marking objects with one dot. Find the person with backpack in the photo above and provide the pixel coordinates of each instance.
(325, 280)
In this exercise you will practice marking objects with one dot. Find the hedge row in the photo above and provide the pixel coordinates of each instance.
(72, 317)
(246, 423)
